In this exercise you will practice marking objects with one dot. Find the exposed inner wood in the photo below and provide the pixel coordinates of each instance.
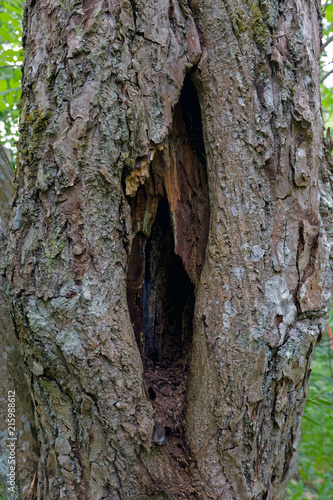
(170, 216)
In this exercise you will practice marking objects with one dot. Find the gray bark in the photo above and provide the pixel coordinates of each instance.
(100, 147)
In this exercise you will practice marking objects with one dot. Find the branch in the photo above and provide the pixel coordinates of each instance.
(325, 64)
(323, 78)
(324, 8)
(10, 66)
(328, 41)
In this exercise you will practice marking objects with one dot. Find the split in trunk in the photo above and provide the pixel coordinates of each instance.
(170, 214)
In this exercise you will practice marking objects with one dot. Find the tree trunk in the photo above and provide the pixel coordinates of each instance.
(170, 243)
(13, 384)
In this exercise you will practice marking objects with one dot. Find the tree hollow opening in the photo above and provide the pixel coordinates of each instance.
(167, 297)
(169, 199)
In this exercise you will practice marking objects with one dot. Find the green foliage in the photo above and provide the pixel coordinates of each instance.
(11, 56)
(314, 479)
(327, 102)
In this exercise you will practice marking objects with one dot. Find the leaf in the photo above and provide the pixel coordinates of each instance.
(5, 17)
(14, 6)
(10, 99)
(7, 77)
(17, 75)
(3, 85)
(9, 53)
(312, 384)
(303, 475)
(313, 402)
(323, 402)
(7, 36)
(5, 92)
(329, 13)
(310, 420)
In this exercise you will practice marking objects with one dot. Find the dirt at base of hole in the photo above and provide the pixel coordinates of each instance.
(167, 389)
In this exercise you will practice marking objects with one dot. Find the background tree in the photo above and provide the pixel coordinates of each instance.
(102, 133)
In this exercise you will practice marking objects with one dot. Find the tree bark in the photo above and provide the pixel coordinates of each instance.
(12, 377)
(170, 229)
(6, 182)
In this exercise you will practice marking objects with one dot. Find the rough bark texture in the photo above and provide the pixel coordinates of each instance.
(12, 372)
(6, 181)
(103, 144)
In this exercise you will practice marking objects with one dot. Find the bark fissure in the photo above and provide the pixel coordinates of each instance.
(306, 272)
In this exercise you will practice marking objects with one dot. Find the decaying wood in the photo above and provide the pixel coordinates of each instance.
(100, 89)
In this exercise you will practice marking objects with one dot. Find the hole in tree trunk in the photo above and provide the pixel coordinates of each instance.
(168, 195)
(167, 297)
